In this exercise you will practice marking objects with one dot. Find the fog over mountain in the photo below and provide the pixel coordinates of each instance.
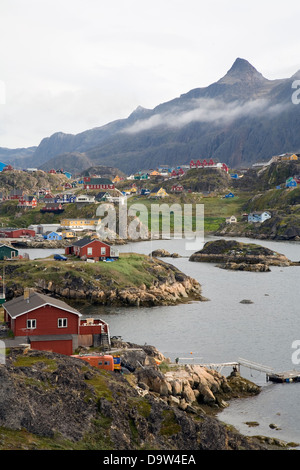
(240, 119)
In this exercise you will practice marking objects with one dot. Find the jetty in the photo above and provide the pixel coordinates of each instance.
(271, 375)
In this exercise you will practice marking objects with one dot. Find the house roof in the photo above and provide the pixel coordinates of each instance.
(99, 181)
(86, 241)
(259, 212)
(8, 246)
(19, 305)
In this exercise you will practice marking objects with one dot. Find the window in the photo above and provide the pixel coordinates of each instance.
(90, 251)
(62, 323)
(31, 324)
(103, 250)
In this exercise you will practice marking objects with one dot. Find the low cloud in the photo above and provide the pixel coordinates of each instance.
(206, 111)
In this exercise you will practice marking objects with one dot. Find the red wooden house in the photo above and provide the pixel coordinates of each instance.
(49, 324)
(27, 201)
(54, 207)
(88, 248)
(177, 188)
(17, 232)
(98, 183)
(15, 194)
(225, 168)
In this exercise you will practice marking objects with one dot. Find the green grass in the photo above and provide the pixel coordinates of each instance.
(216, 209)
(131, 270)
(29, 361)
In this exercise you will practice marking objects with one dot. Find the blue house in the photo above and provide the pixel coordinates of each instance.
(145, 192)
(259, 217)
(2, 165)
(291, 183)
(229, 195)
(52, 236)
(67, 174)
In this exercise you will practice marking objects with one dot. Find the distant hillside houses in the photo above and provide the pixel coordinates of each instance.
(209, 164)
(284, 157)
(163, 172)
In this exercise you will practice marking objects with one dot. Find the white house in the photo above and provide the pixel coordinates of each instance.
(259, 217)
(85, 198)
(231, 220)
(43, 228)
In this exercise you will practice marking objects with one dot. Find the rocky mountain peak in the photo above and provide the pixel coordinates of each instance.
(240, 71)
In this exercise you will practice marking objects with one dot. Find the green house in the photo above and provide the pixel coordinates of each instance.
(8, 252)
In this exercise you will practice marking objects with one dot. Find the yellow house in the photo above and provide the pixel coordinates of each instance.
(68, 234)
(154, 173)
(158, 192)
(80, 224)
(288, 157)
(116, 179)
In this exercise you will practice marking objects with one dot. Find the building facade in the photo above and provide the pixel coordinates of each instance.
(50, 324)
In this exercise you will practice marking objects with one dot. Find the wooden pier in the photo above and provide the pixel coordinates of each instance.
(271, 375)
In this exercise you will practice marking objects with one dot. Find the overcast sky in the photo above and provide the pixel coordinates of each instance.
(71, 65)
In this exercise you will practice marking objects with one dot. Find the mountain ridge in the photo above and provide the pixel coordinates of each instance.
(240, 119)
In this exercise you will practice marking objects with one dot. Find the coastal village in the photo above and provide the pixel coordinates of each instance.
(78, 235)
(41, 315)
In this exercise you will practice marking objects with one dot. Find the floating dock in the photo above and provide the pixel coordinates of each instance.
(281, 377)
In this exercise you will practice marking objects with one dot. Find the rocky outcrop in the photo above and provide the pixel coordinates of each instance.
(257, 267)
(159, 293)
(161, 253)
(184, 385)
(51, 401)
(240, 256)
(193, 385)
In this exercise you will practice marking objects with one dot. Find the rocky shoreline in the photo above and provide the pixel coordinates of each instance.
(159, 294)
(63, 401)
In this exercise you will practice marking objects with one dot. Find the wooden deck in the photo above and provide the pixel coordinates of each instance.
(281, 377)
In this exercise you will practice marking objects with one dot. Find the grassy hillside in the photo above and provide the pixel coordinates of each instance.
(281, 199)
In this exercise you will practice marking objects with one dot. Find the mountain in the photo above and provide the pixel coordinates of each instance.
(240, 119)
(16, 156)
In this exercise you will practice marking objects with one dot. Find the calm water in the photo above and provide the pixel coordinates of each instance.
(223, 330)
